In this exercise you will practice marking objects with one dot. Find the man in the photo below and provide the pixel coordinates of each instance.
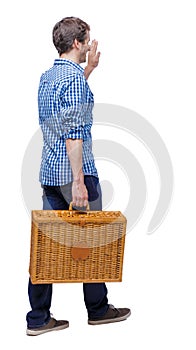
(68, 171)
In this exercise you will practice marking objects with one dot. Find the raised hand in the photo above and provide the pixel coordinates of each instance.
(93, 55)
(93, 59)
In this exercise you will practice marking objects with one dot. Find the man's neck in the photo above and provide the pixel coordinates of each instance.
(70, 56)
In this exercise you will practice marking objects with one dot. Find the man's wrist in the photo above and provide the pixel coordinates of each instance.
(88, 70)
(76, 180)
(79, 177)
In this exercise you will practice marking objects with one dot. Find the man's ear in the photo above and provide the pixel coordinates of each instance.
(76, 44)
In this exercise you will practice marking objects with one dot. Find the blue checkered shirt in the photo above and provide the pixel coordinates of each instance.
(65, 104)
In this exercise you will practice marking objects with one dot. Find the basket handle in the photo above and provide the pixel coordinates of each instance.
(71, 206)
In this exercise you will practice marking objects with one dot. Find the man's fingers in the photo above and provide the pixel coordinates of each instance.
(94, 45)
(79, 195)
(85, 203)
(80, 203)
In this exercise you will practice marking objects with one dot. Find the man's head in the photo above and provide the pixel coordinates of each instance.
(71, 33)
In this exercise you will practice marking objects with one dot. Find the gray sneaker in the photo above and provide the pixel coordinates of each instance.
(112, 315)
(52, 325)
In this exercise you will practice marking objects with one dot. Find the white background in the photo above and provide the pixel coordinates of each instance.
(147, 64)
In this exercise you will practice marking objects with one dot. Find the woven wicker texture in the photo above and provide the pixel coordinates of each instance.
(73, 246)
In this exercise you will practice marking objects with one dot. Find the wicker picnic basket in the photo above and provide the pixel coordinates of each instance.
(76, 246)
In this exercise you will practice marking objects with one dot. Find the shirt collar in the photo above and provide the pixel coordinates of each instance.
(65, 61)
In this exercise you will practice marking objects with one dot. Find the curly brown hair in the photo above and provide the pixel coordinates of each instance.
(66, 31)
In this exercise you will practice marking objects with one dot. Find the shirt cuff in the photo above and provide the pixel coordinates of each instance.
(76, 133)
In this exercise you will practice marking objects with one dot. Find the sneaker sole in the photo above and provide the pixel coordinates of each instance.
(110, 320)
(38, 332)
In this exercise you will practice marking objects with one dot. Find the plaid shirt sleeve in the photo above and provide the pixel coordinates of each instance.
(73, 115)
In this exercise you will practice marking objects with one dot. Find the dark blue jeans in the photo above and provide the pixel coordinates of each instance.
(40, 295)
